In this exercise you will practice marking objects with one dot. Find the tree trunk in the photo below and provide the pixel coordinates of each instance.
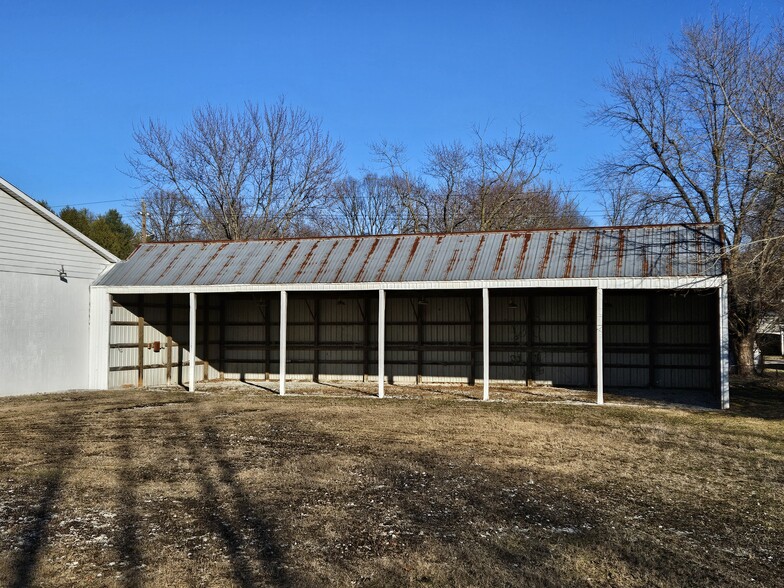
(744, 352)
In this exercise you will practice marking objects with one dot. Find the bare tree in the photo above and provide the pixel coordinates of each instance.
(410, 189)
(626, 203)
(450, 167)
(491, 184)
(698, 148)
(538, 206)
(366, 206)
(248, 174)
(168, 216)
(507, 175)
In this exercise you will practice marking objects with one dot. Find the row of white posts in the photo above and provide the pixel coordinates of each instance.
(382, 297)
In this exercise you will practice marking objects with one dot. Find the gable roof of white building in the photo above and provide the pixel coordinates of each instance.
(17, 194)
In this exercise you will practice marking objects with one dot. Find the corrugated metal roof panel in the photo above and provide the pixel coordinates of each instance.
(660, 251)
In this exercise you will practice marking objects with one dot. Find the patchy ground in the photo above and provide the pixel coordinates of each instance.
(238, 487)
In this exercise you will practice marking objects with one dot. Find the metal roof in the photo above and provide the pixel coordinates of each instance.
(649, 251)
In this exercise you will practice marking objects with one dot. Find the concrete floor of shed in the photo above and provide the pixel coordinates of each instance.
(463, 392)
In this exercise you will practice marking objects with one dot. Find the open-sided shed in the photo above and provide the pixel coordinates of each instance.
(620, 307)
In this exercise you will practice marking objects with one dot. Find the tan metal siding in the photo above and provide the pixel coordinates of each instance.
(659, 339)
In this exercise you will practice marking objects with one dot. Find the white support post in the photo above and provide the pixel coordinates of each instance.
(781, 334)
(100, 319)
(382, 303)
(485, 344)
(284, 312)
(724, 346)
(192, 344)
(599, 346)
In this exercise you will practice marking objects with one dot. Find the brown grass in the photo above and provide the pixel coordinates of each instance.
(238, 487)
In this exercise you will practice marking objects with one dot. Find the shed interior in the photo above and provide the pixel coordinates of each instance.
(652, 339)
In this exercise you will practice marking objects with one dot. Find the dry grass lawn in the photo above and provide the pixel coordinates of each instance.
(239, 487)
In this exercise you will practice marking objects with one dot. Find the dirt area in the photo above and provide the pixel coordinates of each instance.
(236, 486)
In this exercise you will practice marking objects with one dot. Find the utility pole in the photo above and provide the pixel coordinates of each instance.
(144, 221)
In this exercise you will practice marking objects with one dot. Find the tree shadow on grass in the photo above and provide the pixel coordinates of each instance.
(256, 384)
(226, 509)
(347, 387)
(700, 399)
(435, 515)
(760, 397)
(62, 441)
(128, 519)
(266, 548)
(490, 526)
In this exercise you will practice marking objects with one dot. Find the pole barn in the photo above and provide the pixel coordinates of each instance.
(608, 307)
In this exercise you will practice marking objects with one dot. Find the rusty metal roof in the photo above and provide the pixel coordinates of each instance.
(593, 252)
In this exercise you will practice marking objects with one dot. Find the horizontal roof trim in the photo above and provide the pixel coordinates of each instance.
(678, 283)
(595, 252)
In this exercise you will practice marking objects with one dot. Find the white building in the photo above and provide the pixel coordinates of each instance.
(46, 268)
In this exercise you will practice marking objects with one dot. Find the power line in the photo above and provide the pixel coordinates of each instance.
(75, 204)
(357, 196)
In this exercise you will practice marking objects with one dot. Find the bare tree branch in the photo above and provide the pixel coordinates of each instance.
(703, 141)
(250, 174)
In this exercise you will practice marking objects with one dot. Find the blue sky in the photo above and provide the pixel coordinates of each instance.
(75, 76)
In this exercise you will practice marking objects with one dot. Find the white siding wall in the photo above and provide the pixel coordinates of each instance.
(44, 321)
(30, 244)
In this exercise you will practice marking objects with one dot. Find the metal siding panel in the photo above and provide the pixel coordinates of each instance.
(607, 254)
(438, 365)
(556, 260)
(339, 253)
(580, 255)
(534, 256)
(416, 263)
(396, 264)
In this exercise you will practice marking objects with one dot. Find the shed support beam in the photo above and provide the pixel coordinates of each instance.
(192, 343)
(316, 337)
(284, 305)
(652, 339)
(222, 337)
(485, 344)
(474, 310)
(724, 346)
(205, 328)
(599, 346)
(420, 311)
(267, 338)
(366, 339)
(169, 339)
(382, 301)
(140, 344)
(100, 325)
(530, 377)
